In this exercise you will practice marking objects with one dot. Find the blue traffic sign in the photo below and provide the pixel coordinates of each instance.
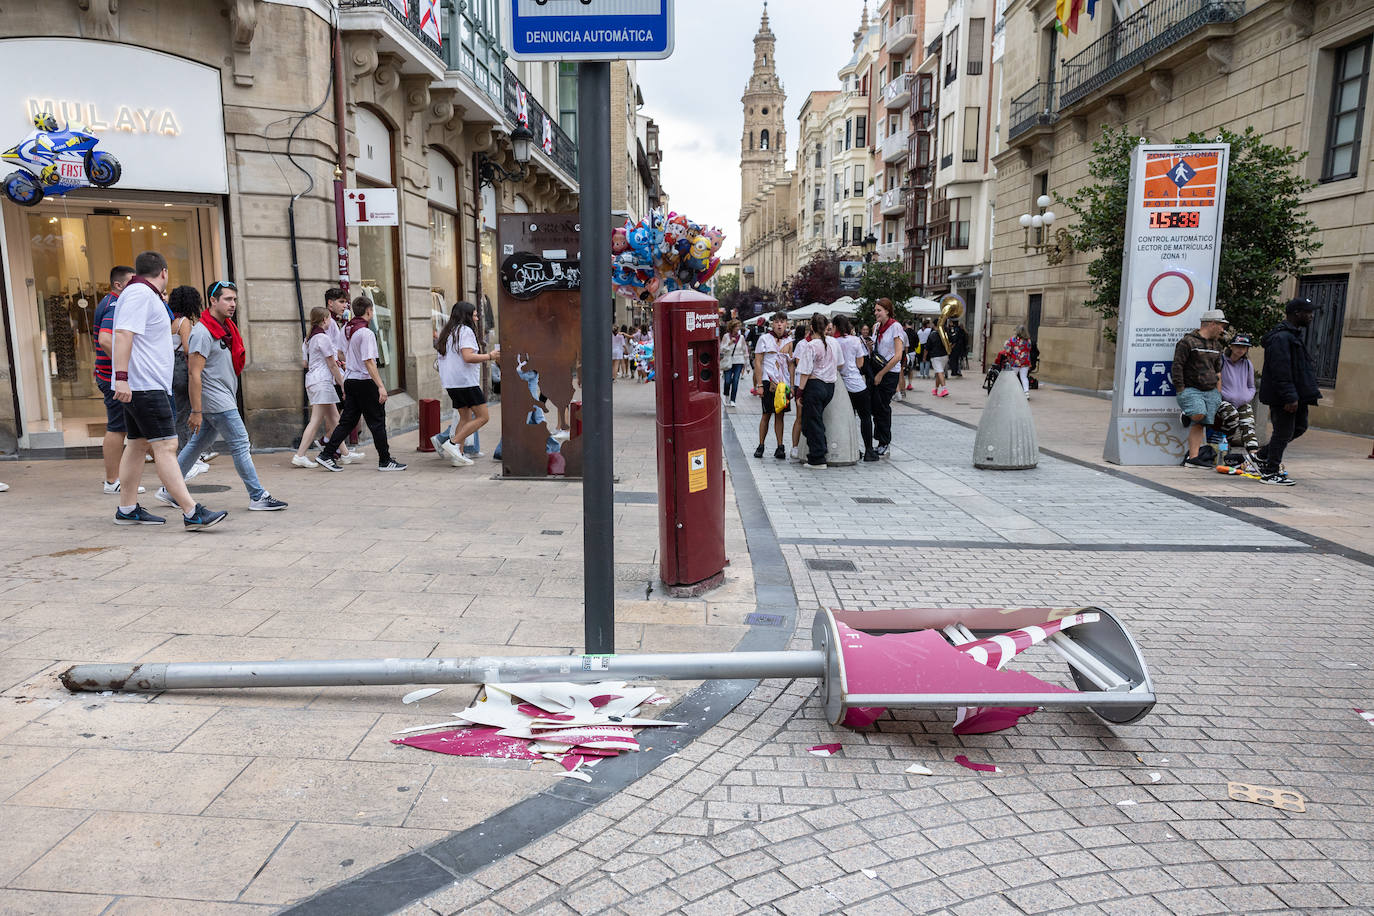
(588, 29)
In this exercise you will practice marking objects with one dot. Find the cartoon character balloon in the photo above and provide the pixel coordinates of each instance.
(661, 253)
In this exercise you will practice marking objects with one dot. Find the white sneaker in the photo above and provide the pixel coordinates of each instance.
(200, 467)
(112, 488)
(163, 496)
(301, 461)
(349, 458)
(438, 440)
(356, 452)
(455, 455)
(4, 487)
(148, 459)
(793, 454)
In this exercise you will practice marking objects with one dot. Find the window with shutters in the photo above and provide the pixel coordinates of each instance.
(1346, 118)
(975, 46)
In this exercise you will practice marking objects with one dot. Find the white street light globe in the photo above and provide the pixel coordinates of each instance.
(1048, 217)
(1037, 221)
(1025, 220)
(1042, 201)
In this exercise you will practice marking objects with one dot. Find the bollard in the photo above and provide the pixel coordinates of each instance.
(429, 423)
(1006, 437)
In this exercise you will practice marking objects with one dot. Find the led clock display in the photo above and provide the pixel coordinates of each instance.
(1174, 219)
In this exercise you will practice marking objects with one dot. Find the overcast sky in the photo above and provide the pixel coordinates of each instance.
(695, 94)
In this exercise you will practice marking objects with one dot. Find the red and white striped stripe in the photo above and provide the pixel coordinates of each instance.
(996, 651)
(1367, 716)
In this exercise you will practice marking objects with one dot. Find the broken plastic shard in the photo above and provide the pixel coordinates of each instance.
(869, 873)
(416, 696)
(1273, 797)
(472, 742)
(977, 767)
(1154, 777)
(1367, 716)
(433, 725)
(1125, 803)
(917, 769)
(826, 750)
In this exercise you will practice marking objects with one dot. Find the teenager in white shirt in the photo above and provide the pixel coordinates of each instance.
(734, 357)
(770, 371)
(322, 377)
(364, 392)
(889, 343)
(460, 374)
(818, 361)
(851, 373)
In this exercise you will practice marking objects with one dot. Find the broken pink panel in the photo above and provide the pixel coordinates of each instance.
(537, 713)
(472, 742)
(923, 662)
(985, 720)
(1367, 716)
(996, 651)
(826, 750)
(598, 702)
(976, 767)
(862, 716)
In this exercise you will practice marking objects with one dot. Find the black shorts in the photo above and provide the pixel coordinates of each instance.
(114, 410)
(466, 397)
(767, 398)
(149, 416)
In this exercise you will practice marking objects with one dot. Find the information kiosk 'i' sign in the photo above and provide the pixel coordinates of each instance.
(1168, 279)
(589, 29)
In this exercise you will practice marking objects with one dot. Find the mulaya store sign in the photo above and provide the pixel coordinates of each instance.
(162, 115)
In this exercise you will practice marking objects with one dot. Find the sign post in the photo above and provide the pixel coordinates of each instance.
(1175, 206)
(593, 32)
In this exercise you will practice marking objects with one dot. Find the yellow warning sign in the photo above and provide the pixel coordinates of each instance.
(696, 470)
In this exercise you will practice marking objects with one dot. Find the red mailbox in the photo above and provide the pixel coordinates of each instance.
(691, 469)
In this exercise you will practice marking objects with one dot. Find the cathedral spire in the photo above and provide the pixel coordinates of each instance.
(863, 24)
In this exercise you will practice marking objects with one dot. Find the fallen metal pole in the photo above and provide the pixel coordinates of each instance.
(499, 669)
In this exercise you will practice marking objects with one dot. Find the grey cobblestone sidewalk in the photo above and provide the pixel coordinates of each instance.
(1257, 659)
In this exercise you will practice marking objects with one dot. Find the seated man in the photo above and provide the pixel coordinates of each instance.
(1196, 377)
(1235, 418)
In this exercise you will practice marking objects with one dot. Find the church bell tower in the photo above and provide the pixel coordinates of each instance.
(764, 142)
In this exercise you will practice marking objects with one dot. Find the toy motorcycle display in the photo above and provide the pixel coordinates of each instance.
(54, 162)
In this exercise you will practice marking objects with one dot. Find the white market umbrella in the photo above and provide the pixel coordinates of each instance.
(919, 305)
(815, 308)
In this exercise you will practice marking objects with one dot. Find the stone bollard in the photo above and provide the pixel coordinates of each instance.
(841, 429)
(1006, 439)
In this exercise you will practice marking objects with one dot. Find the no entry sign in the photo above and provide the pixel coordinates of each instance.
(589, 29)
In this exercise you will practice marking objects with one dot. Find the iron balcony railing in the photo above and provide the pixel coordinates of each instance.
(473, 47)
(548, 135)
(411, 21)
(1136, 39)
(1032, 108)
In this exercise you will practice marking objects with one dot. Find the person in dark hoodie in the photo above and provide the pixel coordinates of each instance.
(1288, 386)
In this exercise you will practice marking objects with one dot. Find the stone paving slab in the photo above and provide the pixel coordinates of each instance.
(233, 801)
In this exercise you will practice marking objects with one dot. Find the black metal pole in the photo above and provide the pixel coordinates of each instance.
(598, 528)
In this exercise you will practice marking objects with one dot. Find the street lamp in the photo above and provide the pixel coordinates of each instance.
(1055, 251)
(870, 247)
(491, 171)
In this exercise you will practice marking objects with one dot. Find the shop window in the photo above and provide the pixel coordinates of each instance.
(1346, 118)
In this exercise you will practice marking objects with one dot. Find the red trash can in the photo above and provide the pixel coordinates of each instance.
(429, 423)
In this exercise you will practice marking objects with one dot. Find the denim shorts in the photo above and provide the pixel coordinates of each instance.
(1194, 401)
(149, 416)
(114, 410)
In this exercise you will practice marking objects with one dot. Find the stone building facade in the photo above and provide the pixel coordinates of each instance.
(1298, 72)
(228, 138)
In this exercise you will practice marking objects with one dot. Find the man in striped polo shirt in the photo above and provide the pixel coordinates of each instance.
(102, 329)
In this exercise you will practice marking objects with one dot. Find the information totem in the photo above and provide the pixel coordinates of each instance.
(540, 315)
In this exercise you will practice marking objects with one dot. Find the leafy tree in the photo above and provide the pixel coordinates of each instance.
(885, 279)
(818, 280)
(1266, 234)
(727, 285)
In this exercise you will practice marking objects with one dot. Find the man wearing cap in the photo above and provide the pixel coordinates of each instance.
(1288, 386)
(1236, 415)
(1196, 376)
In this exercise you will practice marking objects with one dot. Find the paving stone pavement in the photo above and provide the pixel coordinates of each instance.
(1257, 658)
(243, 802)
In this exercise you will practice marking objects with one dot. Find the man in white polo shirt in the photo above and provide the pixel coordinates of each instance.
(770, 371)
(364, 392)
(142, 361)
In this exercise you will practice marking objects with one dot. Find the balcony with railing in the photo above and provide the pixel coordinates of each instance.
(1032, 108)
(889, 251)
(937, 276)
(549, 137)
(897, 92)
(901, 35)
(398, 33)
(893, 147)
(473, 48)
(893, 202)
(1137, 38)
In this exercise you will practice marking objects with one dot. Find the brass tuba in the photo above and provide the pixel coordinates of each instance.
(951, 308)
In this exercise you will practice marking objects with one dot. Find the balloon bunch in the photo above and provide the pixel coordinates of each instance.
(662, 253)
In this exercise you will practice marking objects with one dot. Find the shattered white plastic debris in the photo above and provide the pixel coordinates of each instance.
(917, 770)
(416, 696)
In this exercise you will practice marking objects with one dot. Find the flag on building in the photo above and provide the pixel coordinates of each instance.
(429, 21)
(1092, 8)
(548, 135)
(522, 107)
(1075, 7)
(402, 7)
